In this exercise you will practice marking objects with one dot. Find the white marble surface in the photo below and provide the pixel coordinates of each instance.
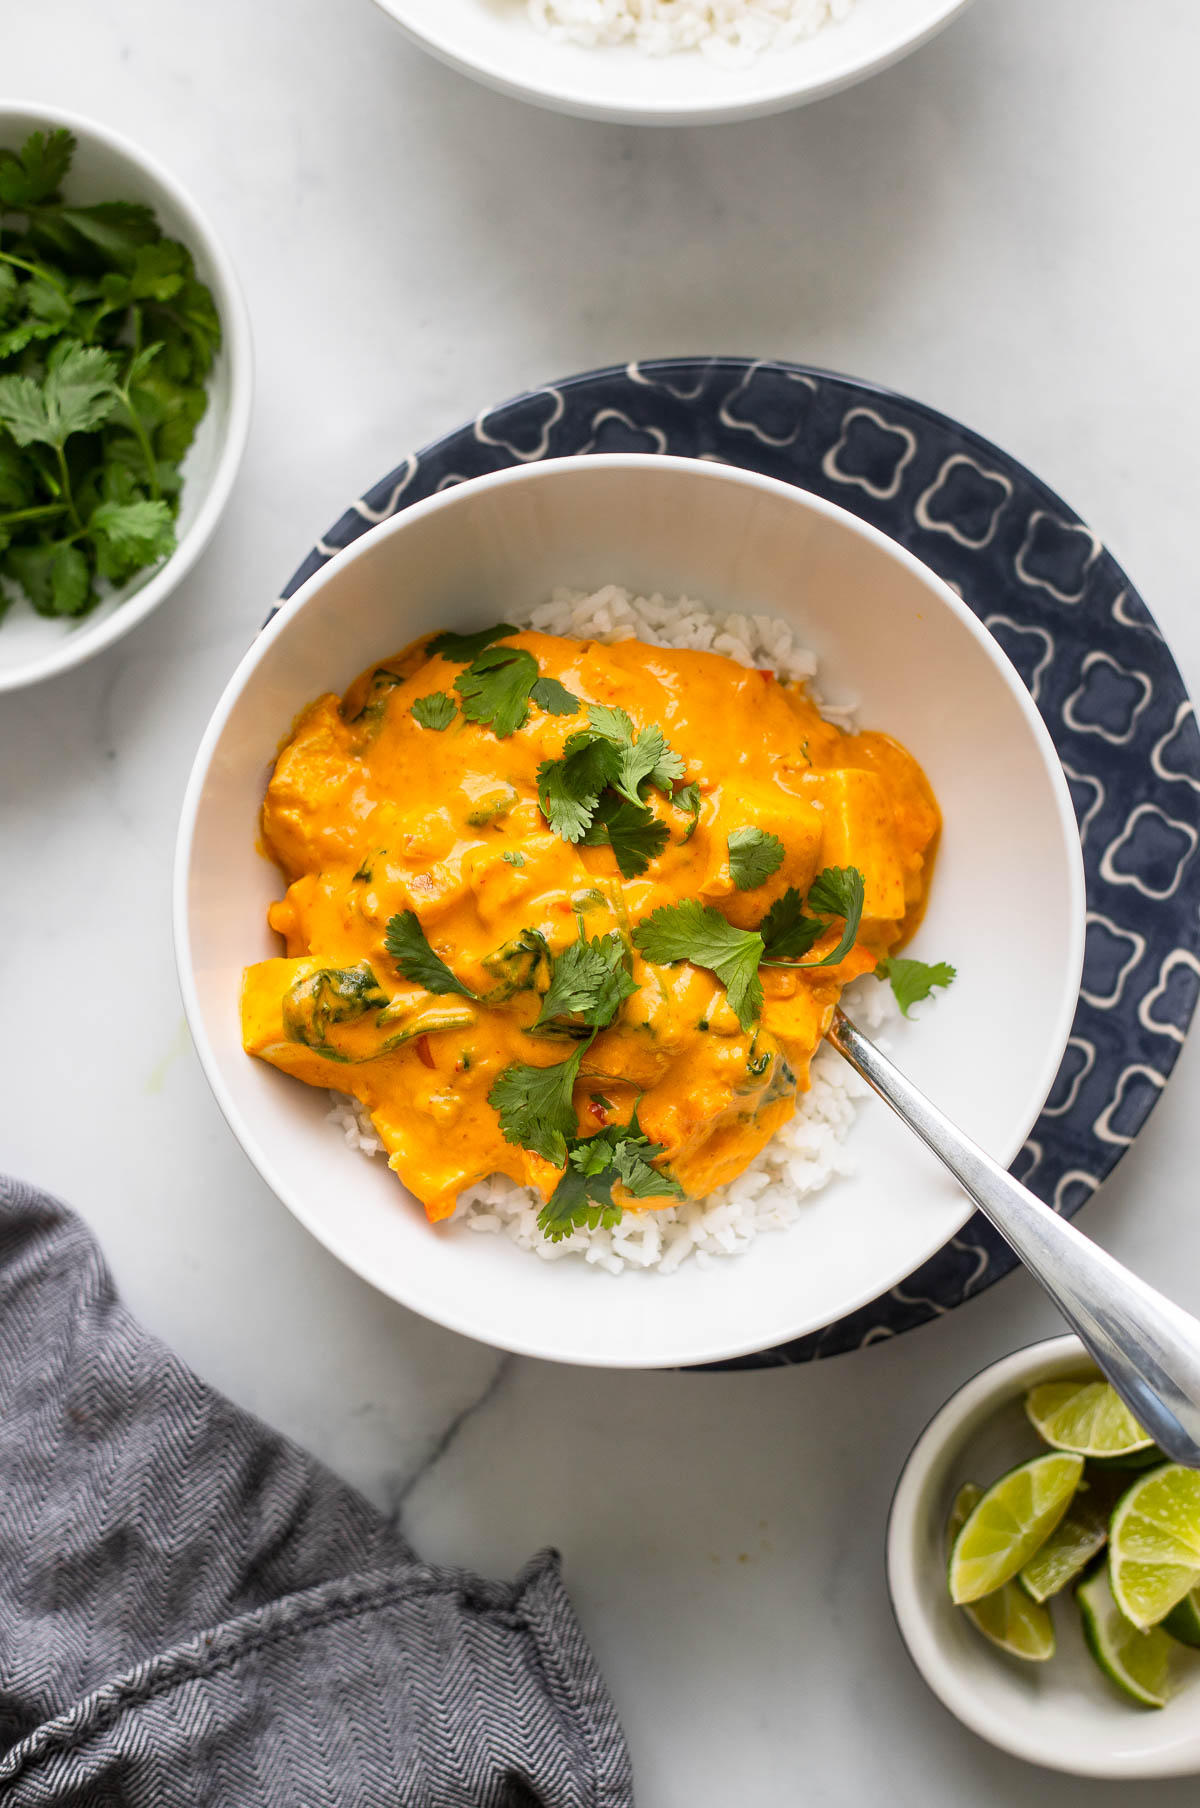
(1004, 225)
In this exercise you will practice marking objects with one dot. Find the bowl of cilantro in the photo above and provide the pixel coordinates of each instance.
(712, 556)
(125, 381)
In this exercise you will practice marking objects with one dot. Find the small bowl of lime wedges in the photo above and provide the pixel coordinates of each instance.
(1044, 1565)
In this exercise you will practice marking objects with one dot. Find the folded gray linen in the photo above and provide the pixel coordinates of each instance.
(193, 1611)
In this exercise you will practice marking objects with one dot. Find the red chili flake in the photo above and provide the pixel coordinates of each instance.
(424, 1051)
(764, 671)
(597, 1110)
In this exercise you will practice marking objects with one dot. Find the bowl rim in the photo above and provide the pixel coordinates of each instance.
(237, 345)
(771, 97)
(393, 1285)
(908, 1591)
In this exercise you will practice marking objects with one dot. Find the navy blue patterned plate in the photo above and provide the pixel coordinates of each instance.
(1072, 624)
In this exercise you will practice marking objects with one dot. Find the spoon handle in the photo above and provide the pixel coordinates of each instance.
(1148, 1347)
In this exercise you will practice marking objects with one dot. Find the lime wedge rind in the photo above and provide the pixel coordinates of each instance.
(1183, 1621)
(1138, 1663)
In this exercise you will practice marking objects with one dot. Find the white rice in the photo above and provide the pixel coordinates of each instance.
(803, 1156)
(729, 32)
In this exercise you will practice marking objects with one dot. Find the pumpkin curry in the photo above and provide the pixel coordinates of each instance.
(576, 913)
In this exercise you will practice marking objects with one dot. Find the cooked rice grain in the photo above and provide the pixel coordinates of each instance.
(729, 32)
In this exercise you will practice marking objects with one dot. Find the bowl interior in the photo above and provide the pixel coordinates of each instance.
(889, 636)
(32, 644)
(1062, 1713)
(496, 40)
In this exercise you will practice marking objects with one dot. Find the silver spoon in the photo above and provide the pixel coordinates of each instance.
(1147, 1346)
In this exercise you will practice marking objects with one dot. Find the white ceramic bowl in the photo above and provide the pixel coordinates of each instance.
(107, 167)
(888, 633)
(1062, 1714)
(494, 41)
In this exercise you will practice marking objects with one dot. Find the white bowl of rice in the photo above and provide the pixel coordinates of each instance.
(843, 1203)
(671, 62)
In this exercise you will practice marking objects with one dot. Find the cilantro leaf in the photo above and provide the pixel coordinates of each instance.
(436, 710)
(462, 648)
(513, 858)
(644, 760)
(115, 229)
(554, 697)
(580, 1201)
(77, 393)
(495, 688)
(698, 933)
(632, 1159)
(688, 800)
(841, 891)
(914, 980)
(129, 535)
(569, 788)
(583, 1197)
(589, 982)
(786, 931)
(16, 479)
(406, 942)
(753, 857)
(615, 725)
(53, 575)
(536, 1105)
(33, 174)
(634, 833)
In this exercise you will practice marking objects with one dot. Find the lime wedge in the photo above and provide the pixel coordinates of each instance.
(1012, 1521)
(1183, 1621)
(1086, 1416)
(1154, 1544)
(1009, 1618)
(1068, 1550)
(1138, 1662)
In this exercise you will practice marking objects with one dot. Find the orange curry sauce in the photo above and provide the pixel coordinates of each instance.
(370, 814)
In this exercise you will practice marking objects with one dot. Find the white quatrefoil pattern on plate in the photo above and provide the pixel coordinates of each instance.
(1066, 616)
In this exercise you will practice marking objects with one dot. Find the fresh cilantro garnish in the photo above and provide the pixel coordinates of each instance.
(699, 933)
(595, 791)
(128, 535)
(642, 759)
(753, 857)
(536, 1106)
(554, 697)
(785, 929)
(406, 942)
(688, 800)
(462, 648)
(840, 891)
(436, 710)
(589, 982)
(569, 787)
(914, 980)
(499, 684)
(634, 833)
(595, 1164)
(77, 393)
(513, 857)
(106, 340)
(495, 688)
(32, 176)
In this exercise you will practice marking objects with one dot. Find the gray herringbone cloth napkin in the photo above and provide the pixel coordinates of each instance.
(193, 1611)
